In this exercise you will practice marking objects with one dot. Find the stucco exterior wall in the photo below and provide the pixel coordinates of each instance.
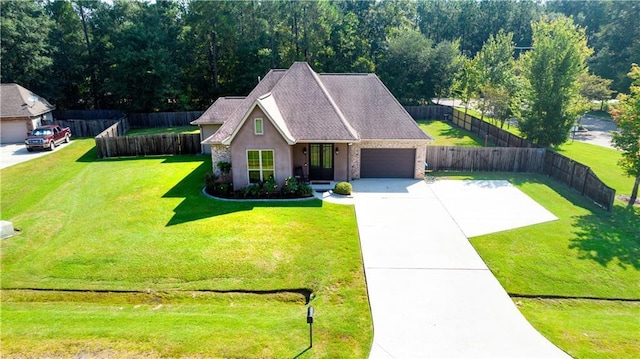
(340, 162)
(421, 153)
(205, 132)
(271, 139)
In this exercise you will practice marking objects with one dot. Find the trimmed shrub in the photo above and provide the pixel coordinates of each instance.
(210, 181)
(343, 188)
(304, 190)
(224, 167)
(290, 187)
(269, 187)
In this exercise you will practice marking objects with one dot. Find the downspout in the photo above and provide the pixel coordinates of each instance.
(349, 147)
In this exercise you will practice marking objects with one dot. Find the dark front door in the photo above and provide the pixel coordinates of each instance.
(321, 161)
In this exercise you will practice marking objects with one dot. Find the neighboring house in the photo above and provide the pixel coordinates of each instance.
(324, 127)
(20, 112)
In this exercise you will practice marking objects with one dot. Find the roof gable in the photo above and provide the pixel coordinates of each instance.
(17, 101)
(269, 107)
(233, 120)
(310, 112)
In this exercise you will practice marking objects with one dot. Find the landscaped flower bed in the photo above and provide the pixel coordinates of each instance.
(269, 189)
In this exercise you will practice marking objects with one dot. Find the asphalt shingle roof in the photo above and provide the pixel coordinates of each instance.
(322, 107)
(17, 101)
(219, 111)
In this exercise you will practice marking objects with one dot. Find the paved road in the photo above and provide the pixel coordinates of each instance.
(431, 294)
(598, 131)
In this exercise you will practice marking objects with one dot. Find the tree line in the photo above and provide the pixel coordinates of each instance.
(182, 55)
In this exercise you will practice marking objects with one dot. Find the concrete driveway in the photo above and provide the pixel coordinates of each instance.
(431, 294)
(14, 153)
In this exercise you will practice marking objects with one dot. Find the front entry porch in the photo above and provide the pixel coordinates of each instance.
(321, 166)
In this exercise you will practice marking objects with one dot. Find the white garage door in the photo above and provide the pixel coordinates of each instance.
(13, 131)
(387, 162)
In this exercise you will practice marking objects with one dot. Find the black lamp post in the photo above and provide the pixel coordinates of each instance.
(310, 321)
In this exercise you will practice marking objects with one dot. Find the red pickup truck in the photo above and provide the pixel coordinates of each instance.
(47, 137)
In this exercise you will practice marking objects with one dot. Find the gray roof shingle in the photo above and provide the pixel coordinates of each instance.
(219, 111)
(323, 107)
(17, 101)
(371, 108)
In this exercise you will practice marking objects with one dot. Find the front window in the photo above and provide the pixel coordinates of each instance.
(260, 165)
(258, 130)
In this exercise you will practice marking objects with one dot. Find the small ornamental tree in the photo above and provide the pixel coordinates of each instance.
(627, 117)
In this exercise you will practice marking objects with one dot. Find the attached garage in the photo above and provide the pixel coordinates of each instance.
(21, 112)
(387, 162)
(13, 131)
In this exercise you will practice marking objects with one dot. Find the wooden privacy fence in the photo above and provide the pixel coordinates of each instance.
(85, 128)
(495, 134)
(435, 112)
(162, 119)
(580, 177)
(169, 144)
(514, 159)
(86, 123)
(117, 129)
(485, 159)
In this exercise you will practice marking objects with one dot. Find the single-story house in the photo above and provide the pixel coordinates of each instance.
(323, 127)
(20, 112)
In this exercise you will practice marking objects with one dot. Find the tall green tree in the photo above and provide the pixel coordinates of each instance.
(467, 82)
(68, 85)
(25, 52)
(552, 100)
(496, 67)
(405, 67)
(595, 88)
(627, 117)
(613, 31)
(446, 63)
(143, 76)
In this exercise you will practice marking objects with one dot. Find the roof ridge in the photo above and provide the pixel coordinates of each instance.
(345, 74)
(333, 104)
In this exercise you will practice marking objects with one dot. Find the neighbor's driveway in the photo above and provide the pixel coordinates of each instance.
(431, 295)
(14, 153)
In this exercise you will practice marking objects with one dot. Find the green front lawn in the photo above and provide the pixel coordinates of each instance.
(587, 328)
(586, 253)
(142, 225)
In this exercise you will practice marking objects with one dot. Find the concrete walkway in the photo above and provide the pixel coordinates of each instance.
(431, 295)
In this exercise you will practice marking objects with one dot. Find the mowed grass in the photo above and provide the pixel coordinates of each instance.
(603, 162)
(444, 134)
(163, 131)
(142, 225)
(586, 253)
(588, 328)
